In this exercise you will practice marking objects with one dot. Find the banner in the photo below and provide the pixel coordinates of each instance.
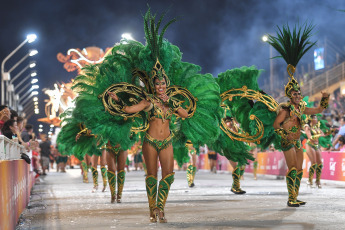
(15, 186)
(273, 163)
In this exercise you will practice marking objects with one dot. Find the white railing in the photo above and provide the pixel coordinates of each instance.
(323, 81)
(10, 150)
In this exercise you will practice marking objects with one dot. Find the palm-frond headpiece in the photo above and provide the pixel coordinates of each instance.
(155, 42)
(292, 45)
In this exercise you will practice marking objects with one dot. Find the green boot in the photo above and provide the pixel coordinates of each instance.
(297, 185)
(318, 175)
(95, 179)
(290, 182)
(190, 176)
(104, 177)
(120, 182)
(194, 171)
(236, 187)
(242, 171)
(112, 181)
(151, 190)
(255, 169)
(311, 174)
(84, 167)
(163, 191)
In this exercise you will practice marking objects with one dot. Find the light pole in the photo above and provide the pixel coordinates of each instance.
(10, 87)
(265, 39)
(30, 38)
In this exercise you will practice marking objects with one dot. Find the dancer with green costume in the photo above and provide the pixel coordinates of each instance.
(130, 91)
(317, 134)
(255, 110)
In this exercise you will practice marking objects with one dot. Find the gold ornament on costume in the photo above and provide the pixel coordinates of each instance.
(159, 72)
(293, 83)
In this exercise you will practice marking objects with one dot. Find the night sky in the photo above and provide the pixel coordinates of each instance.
(217, 35)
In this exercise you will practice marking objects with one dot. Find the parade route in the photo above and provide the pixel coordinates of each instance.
(62, 201)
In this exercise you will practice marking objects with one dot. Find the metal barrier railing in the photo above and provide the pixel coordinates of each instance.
(323, 81)
(10, 150)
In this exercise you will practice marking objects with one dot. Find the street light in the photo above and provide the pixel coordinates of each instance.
(127, 36)
(34, 80)
(265, 39)
(32, 64)
(30, 38)
(32, 52)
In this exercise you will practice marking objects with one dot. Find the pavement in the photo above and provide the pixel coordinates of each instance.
(63, 201)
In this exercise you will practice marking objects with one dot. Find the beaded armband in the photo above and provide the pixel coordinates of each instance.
(281, 132)
(324, 102)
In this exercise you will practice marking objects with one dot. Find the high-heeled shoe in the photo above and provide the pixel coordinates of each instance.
(160, 215)
(112, 199)
(318, 184)
(94, 189)
(118, 199)
(103, 190)
(153, 217)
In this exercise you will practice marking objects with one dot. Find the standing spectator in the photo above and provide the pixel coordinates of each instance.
(45, 153)
(27, 133)
(14, 114)
(340, 133)
(10, 129)
(5, 115)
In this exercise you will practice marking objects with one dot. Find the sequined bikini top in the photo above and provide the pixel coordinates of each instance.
(155, 111)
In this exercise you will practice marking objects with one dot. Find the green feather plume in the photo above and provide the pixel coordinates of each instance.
(292, 45)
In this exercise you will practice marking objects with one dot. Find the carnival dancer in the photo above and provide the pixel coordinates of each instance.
(288, 123)
(116, 160)
(255, 110)
(94, 164)
(238, 170)
(191, 169)
(316, 138)
(141, 99)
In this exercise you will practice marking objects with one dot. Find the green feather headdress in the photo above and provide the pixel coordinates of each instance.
(154, 43)
(292, 45)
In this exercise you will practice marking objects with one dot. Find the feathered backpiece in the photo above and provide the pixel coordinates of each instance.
(292, 45)
(154, 43)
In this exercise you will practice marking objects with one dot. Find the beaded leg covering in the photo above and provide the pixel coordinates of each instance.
(151, 190)
(318, 175)
(255, 165)
(163, 190)
(236, 175)
(104, 177)
(311, 174)
(95, 178)
(84, 167)
(112, 180)
(290, 182)
(190, 175)
(194, 171)
(242, 171)
(297, 185)
(120, 182)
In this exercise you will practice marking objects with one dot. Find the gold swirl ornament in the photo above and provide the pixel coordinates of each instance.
(250, 94)
(245, 137)
(135, 95)
(174, 91)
